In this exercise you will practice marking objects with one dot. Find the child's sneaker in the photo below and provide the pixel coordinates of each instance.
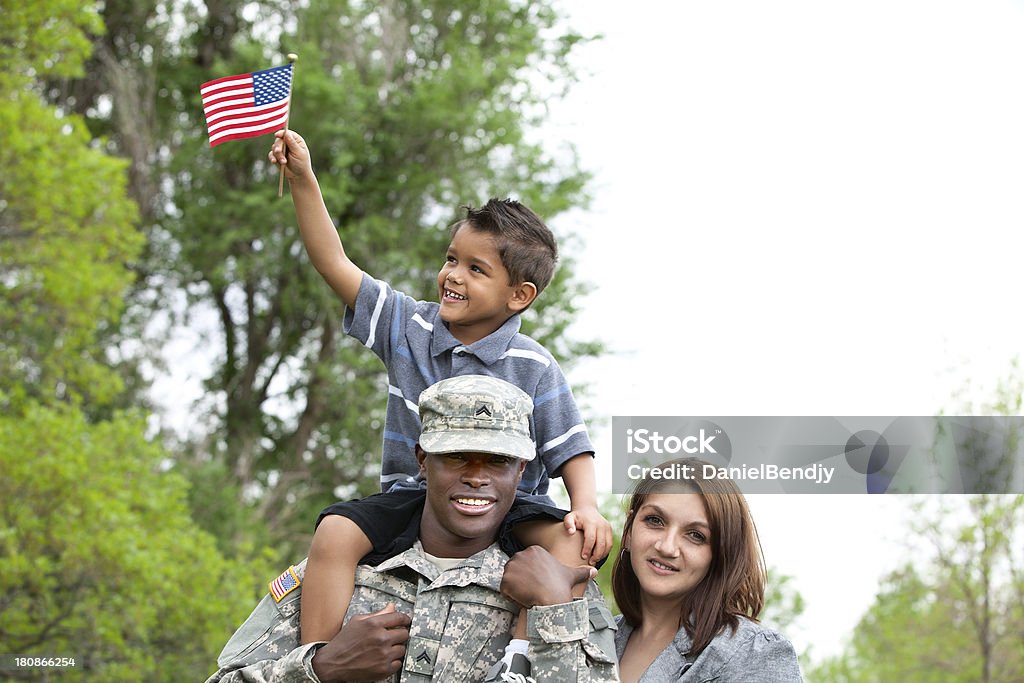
(518, 671)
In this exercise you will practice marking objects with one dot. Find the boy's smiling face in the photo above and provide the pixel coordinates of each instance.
(473, 287)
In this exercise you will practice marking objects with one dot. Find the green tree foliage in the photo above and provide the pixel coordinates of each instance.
(66, 225)
(411, 109)
(613, 507)
(783, 603)
(959, 618)
(957, 615)
(99, 558)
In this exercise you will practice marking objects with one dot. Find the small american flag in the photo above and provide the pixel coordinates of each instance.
(284, 584)
(247, 105)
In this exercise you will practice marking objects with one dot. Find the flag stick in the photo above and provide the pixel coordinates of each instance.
(292, 58)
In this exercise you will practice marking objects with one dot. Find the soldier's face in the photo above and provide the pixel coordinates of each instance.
(468, 496)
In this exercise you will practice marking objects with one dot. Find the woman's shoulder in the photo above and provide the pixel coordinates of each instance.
(748, 638)
(753, 647)
(748, 629)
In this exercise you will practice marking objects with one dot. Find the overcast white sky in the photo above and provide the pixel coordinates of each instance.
(802, 208)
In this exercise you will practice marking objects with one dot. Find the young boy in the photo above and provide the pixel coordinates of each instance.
(500, 258)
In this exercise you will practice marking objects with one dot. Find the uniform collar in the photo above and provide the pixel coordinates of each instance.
(485, 568)
(488, 350)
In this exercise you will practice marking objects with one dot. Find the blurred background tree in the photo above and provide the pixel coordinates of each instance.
(956, 613)
(66, 225)
(100, 559)
(958, 618)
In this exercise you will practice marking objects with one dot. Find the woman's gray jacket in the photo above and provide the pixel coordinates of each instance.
(753, 654)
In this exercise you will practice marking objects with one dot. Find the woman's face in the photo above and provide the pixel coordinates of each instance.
(669, 544)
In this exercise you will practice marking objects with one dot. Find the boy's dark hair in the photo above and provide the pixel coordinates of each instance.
(525, 244)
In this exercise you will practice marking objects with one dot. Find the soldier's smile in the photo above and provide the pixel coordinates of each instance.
(473, 505)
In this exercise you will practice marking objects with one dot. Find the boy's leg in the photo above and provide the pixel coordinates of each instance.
(552, 536)
(350, 533)
(327, 588)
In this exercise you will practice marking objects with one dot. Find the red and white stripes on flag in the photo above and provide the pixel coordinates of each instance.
(247, 105)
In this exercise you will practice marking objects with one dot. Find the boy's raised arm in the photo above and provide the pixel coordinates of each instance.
(315, 225)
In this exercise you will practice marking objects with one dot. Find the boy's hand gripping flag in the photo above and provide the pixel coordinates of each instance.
(247, 105)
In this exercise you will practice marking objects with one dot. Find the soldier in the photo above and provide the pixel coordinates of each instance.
(445, 609)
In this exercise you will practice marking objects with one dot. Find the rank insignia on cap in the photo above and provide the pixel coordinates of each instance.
(284, 584)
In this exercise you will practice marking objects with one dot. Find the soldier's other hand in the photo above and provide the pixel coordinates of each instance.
(368, 648)
(534, 577)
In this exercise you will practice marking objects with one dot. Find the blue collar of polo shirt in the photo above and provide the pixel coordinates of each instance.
(488, 350)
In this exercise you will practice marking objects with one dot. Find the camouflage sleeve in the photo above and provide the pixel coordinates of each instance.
(572, 642)
(294, 667)
(266, 647)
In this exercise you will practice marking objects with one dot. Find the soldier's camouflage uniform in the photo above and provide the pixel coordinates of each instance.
(460, 626)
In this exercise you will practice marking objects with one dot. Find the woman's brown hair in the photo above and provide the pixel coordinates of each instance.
(734, 584)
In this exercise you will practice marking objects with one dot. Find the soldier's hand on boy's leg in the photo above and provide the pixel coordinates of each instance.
(534, 577)
(290, 150)
(597, 532)
(369, 647)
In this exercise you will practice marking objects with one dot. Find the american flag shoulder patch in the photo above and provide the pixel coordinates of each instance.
(284, 584)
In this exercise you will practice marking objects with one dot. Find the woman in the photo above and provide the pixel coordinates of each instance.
(690, 584)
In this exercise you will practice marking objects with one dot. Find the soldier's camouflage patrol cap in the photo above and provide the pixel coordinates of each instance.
(476, 414)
